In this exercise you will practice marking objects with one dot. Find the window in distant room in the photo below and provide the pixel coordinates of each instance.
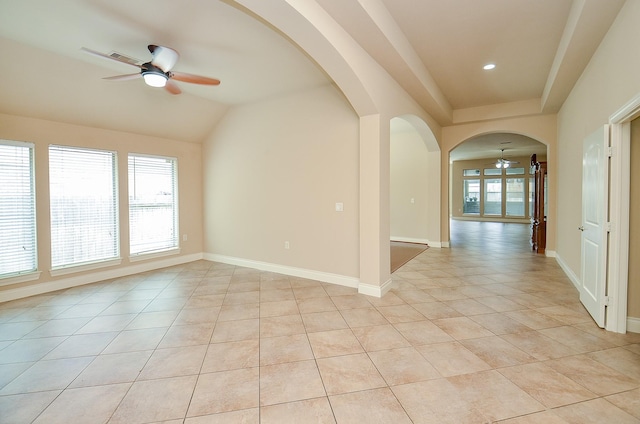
(493, 196)
(17, 209)
(515, 197)
(153, 204)
(84, 206)
(471, 204)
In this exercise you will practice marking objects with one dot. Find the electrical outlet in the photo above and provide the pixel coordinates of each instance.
(339, 207)
(286, 245)
(184, 237)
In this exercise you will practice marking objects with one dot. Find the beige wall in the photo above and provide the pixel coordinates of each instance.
(273, 172)
(409, 188)
(42, 133)
(633, 300)
(610, 80)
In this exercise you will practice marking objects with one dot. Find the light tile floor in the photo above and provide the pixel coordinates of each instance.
(483, 332)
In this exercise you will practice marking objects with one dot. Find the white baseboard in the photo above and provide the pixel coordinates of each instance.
(94, 277)
(410, 240)
(430, 243)
(375, 291)
(325, 277)
(633, 325)
(572, 276)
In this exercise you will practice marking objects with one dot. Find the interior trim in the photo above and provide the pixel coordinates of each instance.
(325, 277)
(94, 277)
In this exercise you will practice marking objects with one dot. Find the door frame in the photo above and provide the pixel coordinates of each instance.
(620, 176)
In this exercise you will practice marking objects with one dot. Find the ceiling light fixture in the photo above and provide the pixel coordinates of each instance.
(489, 66)
(502, 165)
(155, 79)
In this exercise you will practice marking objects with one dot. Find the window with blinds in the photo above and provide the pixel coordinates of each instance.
(84, 206)
(17, 209)
(153, 204)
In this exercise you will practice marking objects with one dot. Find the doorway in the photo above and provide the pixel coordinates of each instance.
(483, 191)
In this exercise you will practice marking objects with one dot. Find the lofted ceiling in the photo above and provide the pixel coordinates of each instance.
(435, 49)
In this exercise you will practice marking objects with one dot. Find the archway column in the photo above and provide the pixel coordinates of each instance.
(375, 276)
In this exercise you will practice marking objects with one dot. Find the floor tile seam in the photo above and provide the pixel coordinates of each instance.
(13, 379)
(62, 390)
(637, 382)
(33, 339)
(366, 390)
(197, 375)
(566, 344)
(49, 404)
(594, 395)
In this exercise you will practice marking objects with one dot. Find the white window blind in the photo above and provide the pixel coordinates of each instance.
(17, 209)
(153, 204)
(84, 206)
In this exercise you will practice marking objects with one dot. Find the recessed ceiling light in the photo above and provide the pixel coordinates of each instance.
(489, 66)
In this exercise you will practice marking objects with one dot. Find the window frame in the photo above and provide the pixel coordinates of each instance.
(160, 250)
(113, 210)
(30, 272)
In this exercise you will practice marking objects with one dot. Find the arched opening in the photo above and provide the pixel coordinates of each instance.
(491, 180)
(414, 189)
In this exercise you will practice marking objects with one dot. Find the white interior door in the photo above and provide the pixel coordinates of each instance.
(595, 164)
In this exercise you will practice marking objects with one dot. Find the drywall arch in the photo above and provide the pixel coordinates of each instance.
(322, 39)
(374, 96)
(542, 128)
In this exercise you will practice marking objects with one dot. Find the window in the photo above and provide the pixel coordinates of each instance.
(514, 171)
(471, 173)
(493, 196)
(471, 204)
(515, 197)
(153, 204)
(84, 206)
(17, 209)
(493, 171)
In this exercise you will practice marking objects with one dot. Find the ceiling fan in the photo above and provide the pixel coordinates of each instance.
(502, 162)
(157, 72)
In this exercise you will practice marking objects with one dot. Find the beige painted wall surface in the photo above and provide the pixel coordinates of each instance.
(273, 172)
(610, 80)
(409, 180)
(633, 300)
(42, 133)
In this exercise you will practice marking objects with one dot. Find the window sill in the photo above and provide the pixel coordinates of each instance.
(153, 255)
(22, 278)
(84, 267)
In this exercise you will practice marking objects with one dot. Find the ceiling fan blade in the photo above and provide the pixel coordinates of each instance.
(172, 87)
(114, 56)
(194, 79)
(124, 77)
(163, 57)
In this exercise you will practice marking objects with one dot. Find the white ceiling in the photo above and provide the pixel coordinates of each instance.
(434, 48)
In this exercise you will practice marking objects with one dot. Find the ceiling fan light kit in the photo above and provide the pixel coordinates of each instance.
(157, 72)
(155, 79)
(503, 163)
